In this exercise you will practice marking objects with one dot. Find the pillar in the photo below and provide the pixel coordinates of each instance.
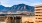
(9, 20)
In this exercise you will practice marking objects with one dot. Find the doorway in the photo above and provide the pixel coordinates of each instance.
(17, 19)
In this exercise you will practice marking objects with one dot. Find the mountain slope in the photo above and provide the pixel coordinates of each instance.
(19, 7)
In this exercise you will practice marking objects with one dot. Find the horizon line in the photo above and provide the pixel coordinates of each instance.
(15, 4)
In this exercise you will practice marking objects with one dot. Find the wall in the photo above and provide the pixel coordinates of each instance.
(26, 18)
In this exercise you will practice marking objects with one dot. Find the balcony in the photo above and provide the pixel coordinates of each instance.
(38, 13)
(38, 8)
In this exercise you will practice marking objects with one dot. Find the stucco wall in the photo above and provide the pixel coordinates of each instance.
(26, 18)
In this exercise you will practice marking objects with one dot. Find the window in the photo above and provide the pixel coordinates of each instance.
(38, 18)
(28, 22)
(40, 21)
(36, 15)
(37, 12)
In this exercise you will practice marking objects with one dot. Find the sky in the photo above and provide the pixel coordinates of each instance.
(9, 3)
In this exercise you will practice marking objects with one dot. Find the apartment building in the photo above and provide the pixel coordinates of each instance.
(38, 13)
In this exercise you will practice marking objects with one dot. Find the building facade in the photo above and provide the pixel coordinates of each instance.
(38, 13)
(17, 18)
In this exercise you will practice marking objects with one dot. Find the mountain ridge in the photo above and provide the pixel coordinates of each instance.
(19, 7)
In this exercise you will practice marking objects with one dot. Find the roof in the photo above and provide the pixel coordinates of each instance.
(38, 5)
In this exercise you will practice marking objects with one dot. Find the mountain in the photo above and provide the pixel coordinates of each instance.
(19, 7)
(23, 7)
(1, 7)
